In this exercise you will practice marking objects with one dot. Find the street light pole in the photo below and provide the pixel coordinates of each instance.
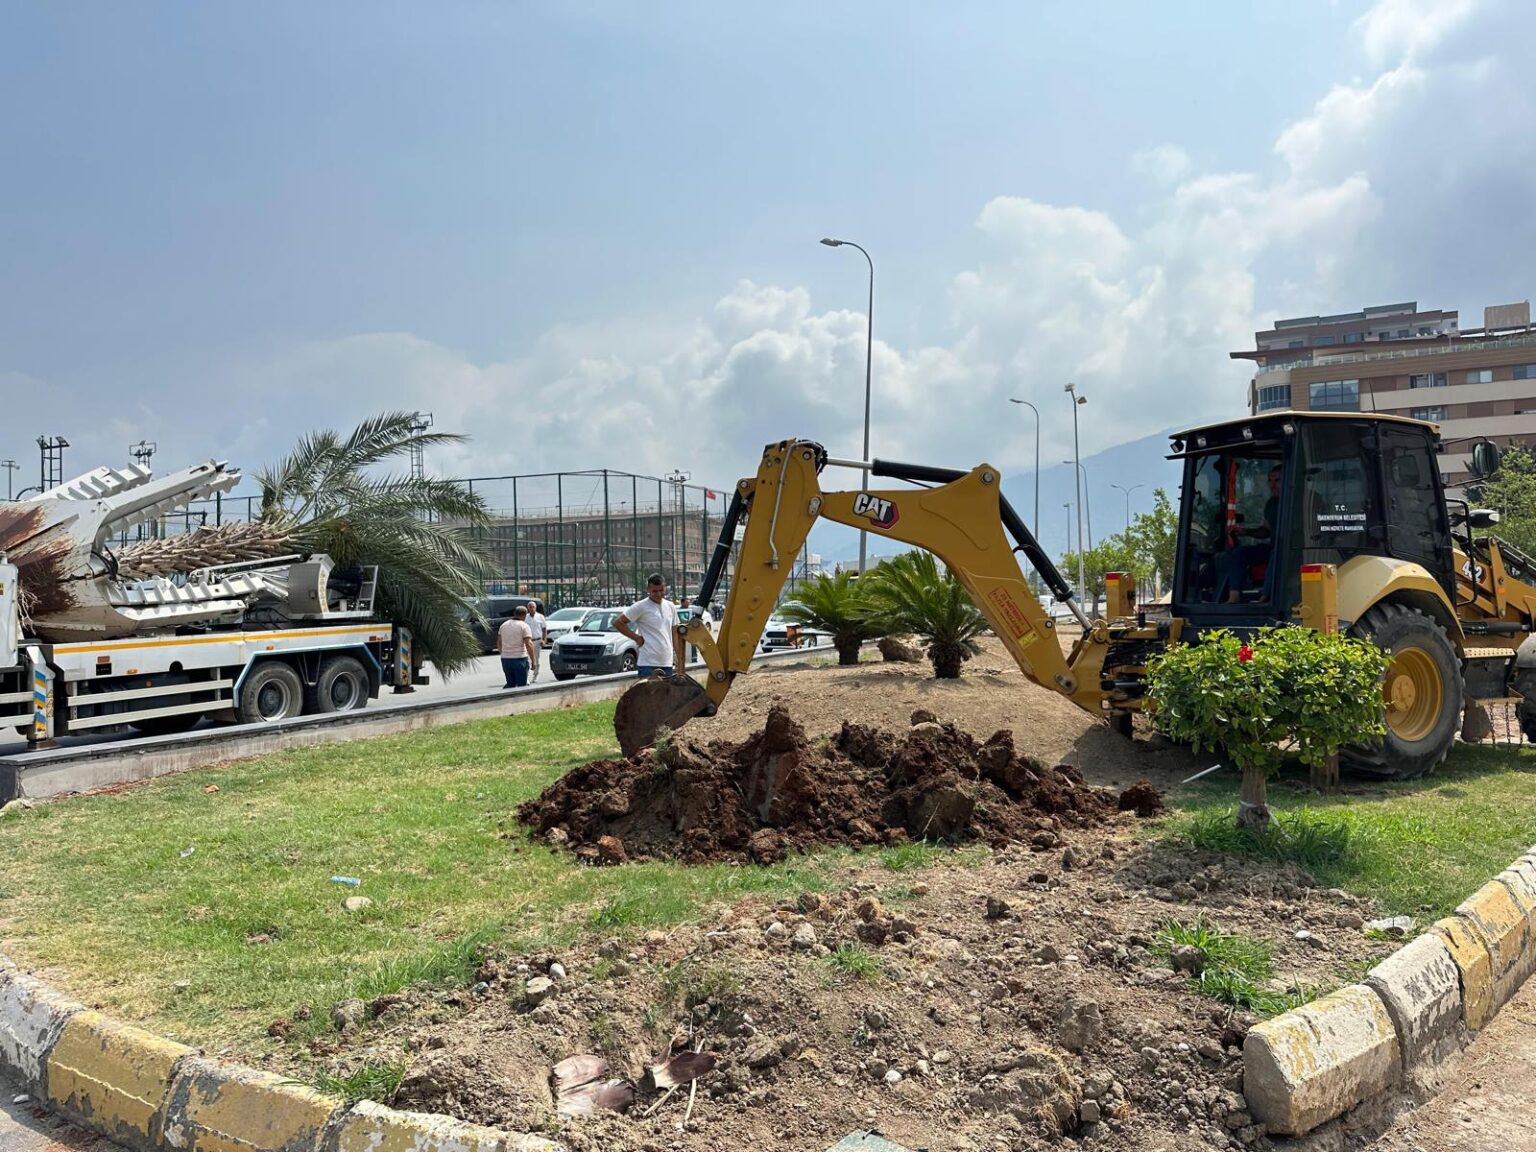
(1036, 411)
(1087, 499)
(10, 467)
(1077, 476)
(869, 350)
(1128, 492)
(1067, 508)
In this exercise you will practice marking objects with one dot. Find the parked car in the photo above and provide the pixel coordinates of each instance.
(557, 624)
(496, 610)
(780, 633)
(594, 648)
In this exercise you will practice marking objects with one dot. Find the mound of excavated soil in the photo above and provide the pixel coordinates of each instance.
(777, 792)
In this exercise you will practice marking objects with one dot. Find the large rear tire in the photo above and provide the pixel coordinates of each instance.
(342, 686)
(272, 692)
(1422, 693)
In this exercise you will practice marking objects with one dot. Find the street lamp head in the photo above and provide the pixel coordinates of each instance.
(1082, 399)
(830, 243)
(1011, 400)
(1069, 387)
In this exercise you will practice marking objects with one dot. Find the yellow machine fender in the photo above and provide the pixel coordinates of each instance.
(1365, 581)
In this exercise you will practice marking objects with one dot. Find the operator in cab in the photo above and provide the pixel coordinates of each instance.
(1236, 564)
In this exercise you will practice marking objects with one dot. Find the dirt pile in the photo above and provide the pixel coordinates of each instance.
(777, 792)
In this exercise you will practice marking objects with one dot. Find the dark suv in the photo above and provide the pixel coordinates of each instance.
(497, 610)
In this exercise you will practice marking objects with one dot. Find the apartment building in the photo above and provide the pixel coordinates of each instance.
(1395, 359)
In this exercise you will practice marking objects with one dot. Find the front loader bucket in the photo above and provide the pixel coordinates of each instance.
(656, 703)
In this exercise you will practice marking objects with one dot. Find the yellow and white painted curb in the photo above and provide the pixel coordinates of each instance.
(1422, 1003)
(152, 1095)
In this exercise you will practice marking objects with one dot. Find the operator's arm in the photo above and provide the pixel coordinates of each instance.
(621, 625)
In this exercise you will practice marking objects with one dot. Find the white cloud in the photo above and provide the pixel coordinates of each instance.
(1414, 182)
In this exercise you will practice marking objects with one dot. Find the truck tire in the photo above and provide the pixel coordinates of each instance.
(341, 687)
(631, 661)
(1422, 692)
(272, 691)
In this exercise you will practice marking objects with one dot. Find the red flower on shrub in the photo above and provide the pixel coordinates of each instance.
(1244, 654)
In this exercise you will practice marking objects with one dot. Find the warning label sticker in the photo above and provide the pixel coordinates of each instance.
(1013, 616)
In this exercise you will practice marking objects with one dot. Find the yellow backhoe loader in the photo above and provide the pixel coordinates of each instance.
(1328, 520)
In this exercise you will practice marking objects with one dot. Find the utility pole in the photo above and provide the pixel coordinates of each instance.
(10, 467)
(1036, 411)
(1128, 492)
(678, 478)
(51, 467)
(420, 422)
(1082, 579)
(869, 351)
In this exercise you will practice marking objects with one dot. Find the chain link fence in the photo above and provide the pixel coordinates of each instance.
(564, 537)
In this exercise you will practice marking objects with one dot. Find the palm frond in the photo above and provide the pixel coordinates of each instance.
(911, 594)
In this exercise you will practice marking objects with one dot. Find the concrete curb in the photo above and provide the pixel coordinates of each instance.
(150, 1094)
(1415, 1009)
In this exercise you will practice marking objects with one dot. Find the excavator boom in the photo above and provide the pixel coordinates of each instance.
(961, 517)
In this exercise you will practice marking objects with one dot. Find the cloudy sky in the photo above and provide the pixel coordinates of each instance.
(586, 233)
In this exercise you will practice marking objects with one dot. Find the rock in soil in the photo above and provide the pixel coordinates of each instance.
(777, 793)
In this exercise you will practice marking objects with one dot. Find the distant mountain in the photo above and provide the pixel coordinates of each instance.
(1136, 463)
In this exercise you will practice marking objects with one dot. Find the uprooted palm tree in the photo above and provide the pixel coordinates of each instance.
(834, 604)
(331, 495)
(910, 594)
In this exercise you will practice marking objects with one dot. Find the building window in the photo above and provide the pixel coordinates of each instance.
(1434, 415)
(1273, 396)
(1323, 341)
(1335, 396)
(1402, 333)
(1296, 344)
(1428, 380)
(1426, 331)
(1525, 371)
(1353, 337)
(1481, 376)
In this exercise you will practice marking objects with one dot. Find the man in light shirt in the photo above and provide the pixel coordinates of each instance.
(652, 624)
(536, 627)
(515, 644)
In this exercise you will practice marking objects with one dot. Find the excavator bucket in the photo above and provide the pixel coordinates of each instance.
(656, 703)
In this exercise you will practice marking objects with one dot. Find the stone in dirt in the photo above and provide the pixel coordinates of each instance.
(1079, 1024)
(1188, 958)
(776, 793)
(356, 903)
(900, 650)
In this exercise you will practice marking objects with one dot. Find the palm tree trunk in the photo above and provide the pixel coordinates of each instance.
(848, 652)
(947, 659)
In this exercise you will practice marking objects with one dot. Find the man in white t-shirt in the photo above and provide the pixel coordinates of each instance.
(535, 622)
(652, 624)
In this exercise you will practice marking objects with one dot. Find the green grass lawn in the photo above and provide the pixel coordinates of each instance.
(1419, 847)
(101, 893)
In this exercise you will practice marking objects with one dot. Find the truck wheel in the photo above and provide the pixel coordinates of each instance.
(341, 687)
(272, 691)
(630, 662)
(1422, 693)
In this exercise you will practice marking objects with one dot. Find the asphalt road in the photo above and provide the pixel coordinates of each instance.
(26, 1128)
(482, 677)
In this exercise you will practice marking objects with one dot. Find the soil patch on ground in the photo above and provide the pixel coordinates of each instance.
(1018, 998)
(778, 792)
(991, 694)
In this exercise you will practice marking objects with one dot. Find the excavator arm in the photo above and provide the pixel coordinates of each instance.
(962, 518)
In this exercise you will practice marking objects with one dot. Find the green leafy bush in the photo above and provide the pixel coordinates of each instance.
(1287, 690)
(837, 605)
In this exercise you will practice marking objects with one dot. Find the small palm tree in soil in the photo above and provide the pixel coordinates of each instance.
(836, 605)
(911, 594)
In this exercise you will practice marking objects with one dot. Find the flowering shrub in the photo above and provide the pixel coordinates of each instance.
(1286, 689)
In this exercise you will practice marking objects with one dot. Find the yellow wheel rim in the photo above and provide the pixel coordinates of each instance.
(1414, 694)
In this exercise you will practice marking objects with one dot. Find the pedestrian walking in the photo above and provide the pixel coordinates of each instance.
(652, 624)
(536, 627)
(515, 644)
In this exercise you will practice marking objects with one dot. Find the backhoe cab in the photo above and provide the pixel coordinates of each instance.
(1263, 501)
